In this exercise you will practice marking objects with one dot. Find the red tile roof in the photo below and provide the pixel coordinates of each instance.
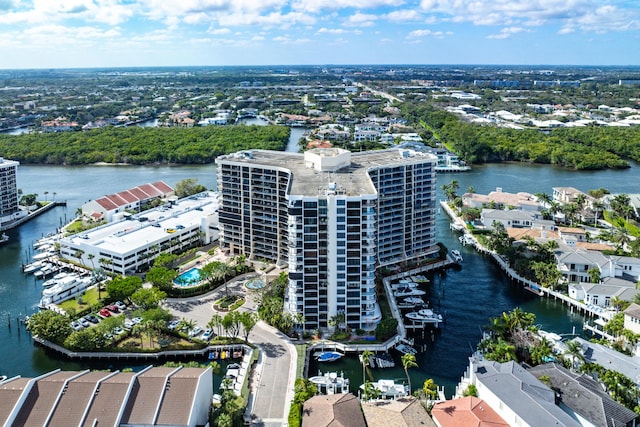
(466, 412)
(133, 195)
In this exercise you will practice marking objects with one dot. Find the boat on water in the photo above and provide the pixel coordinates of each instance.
(54, 280)
(331, 383)
(455, 254)
(43, 255)
(388, 389)
(66, 288)
(408, 292)
(404, 284)
(4, 238)
(406, 349)
(410, 302)
(46, 270)
(424, 316)
(328, 356)
(33, 267)
(384, 360)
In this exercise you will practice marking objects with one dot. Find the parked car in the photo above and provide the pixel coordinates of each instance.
(104, 312)
(173, 324)
(91, 318)
(120, 305)
(84, 322)
(128, 323)
(76, 326)
(113, 308)
(207, 335)
(197, 330)
(118, 330)
(136, 320)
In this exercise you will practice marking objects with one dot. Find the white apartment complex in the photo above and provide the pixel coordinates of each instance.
(333, 217)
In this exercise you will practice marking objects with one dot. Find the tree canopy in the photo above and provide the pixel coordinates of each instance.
(136, 145)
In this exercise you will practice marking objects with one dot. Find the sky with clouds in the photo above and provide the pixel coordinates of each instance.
(113, 33)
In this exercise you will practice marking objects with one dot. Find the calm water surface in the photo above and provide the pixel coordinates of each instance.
(467, 297)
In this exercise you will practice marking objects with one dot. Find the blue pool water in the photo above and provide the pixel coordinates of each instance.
(188, 278)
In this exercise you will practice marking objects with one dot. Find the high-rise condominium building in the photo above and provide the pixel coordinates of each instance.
(8, 192)
(333, 217)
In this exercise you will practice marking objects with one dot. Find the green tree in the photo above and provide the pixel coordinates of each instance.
(541, 350)
(121, 288)
(408, 361)
(365, 358)
(50, 326)
(430, 389)
(188, 187)
(248, 320)
(161, 277)
(147, 298)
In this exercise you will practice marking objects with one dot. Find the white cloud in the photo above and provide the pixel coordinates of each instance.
(403, 15)
(361, 20)
(418, 34)
(588, 15)
(320, 5)
(217, 31)
(507, 32)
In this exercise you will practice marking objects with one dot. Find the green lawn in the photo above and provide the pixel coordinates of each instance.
(89, 298)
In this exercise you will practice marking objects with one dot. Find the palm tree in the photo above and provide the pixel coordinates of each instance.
(365, 359)
(541, 350)
(408, 361)
(621, 238)
(544, 198)
(215, 322)
(597, 207)
(574, 352)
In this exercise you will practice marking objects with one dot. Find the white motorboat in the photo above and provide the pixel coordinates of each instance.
(455, 254)
(410, 302)
(34, 266)
(66, 288)
(406, 349)
(424, 316)
(331, 383)
(404, 284)
(43, 255)
(388, 389)
(54, 280)
(408, 292)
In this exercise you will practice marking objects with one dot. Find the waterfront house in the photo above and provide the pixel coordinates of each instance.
(632, 318)
(508, 218)
(499, 199)
(466, 411)
(583, 398)
(335, 410)
(575, 264)
(601, 294)
(565, 195)
(611, 359)
(402, 412)
(516, 395)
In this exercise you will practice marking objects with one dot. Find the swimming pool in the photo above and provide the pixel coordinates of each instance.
(188, 278)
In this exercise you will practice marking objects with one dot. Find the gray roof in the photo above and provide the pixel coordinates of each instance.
(633, 311)
(509, 214)
(582, 257)
(611, 359)
(524, 394)
(354, 179)
(584, 396)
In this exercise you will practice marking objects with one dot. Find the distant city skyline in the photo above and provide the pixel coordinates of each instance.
(126, 33)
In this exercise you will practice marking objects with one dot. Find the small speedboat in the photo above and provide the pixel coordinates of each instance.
(328, 356)
(455, 254)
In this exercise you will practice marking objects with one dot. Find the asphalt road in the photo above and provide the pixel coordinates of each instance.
(275, 376)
